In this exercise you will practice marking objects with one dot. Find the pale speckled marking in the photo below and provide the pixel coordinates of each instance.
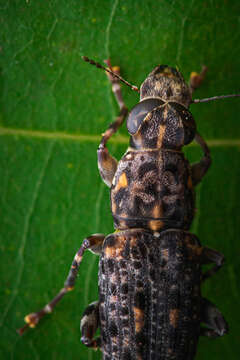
(165, 254)
(129, 156)
(77, 258)
(113, 299)
(48, 308)
(114, 340)
(114, 181)
(157, 87)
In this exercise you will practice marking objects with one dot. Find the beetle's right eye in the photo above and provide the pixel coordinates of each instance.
(139, 112)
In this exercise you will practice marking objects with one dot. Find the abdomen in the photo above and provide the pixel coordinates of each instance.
(149, 296)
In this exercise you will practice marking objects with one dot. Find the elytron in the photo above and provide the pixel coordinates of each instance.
(150, 304)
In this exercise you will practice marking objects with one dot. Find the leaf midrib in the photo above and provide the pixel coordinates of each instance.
(118, 139)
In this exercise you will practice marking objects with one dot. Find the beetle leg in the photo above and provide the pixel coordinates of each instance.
(205, 255)
(199, 169)
(211, 256)
(116, 88)
(212, 317)
(107, 164)
(197, 79)
(89, 325)
(93, 243)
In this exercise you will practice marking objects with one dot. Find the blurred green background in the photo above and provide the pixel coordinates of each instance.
(53, 108)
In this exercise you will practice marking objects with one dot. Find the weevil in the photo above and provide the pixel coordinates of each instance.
(150, 304)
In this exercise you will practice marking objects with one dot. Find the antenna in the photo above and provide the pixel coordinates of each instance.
(196, 101)
(92, 62)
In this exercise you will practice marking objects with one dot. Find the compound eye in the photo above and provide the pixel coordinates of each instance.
(139, 112)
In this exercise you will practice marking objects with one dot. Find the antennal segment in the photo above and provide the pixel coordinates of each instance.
(195, 101)
(92, 62)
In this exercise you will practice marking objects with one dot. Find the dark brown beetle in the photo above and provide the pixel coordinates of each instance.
(150, 304)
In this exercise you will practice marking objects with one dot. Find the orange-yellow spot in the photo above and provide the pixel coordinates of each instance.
(155, 224)
(173, 317)
(31, 320)
(196, 250)
(157, 211)
(122, 182)
(110, 251)
(194, 74)
(116, 69)
(139, 319)
(165, 253)
(161, 135)
(115, 251)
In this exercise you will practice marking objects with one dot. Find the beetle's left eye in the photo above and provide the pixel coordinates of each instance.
(139, 112)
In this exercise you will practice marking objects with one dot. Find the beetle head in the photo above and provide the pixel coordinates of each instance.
(166, 83)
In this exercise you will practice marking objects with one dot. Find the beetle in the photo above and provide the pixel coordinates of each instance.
(150, 304)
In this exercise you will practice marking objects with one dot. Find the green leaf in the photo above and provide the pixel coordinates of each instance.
(54, 108)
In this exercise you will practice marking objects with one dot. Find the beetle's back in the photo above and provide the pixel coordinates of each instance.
(152, 189)
(149, 296)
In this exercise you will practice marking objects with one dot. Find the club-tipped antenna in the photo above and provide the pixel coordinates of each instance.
(196, 101)
(92, 62)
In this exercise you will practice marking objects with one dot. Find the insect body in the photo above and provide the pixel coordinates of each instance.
(150, 304)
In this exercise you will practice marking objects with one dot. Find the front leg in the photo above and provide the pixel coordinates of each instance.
(204, 255)
(107, 164)
(211, 256)
(213, 319)
(200, 168)
(196, 79)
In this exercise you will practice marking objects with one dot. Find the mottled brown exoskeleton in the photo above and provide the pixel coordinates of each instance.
(150, 304)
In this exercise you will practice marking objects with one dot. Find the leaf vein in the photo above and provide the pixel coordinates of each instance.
(109, 27)
(117, 139)
(26, 227)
